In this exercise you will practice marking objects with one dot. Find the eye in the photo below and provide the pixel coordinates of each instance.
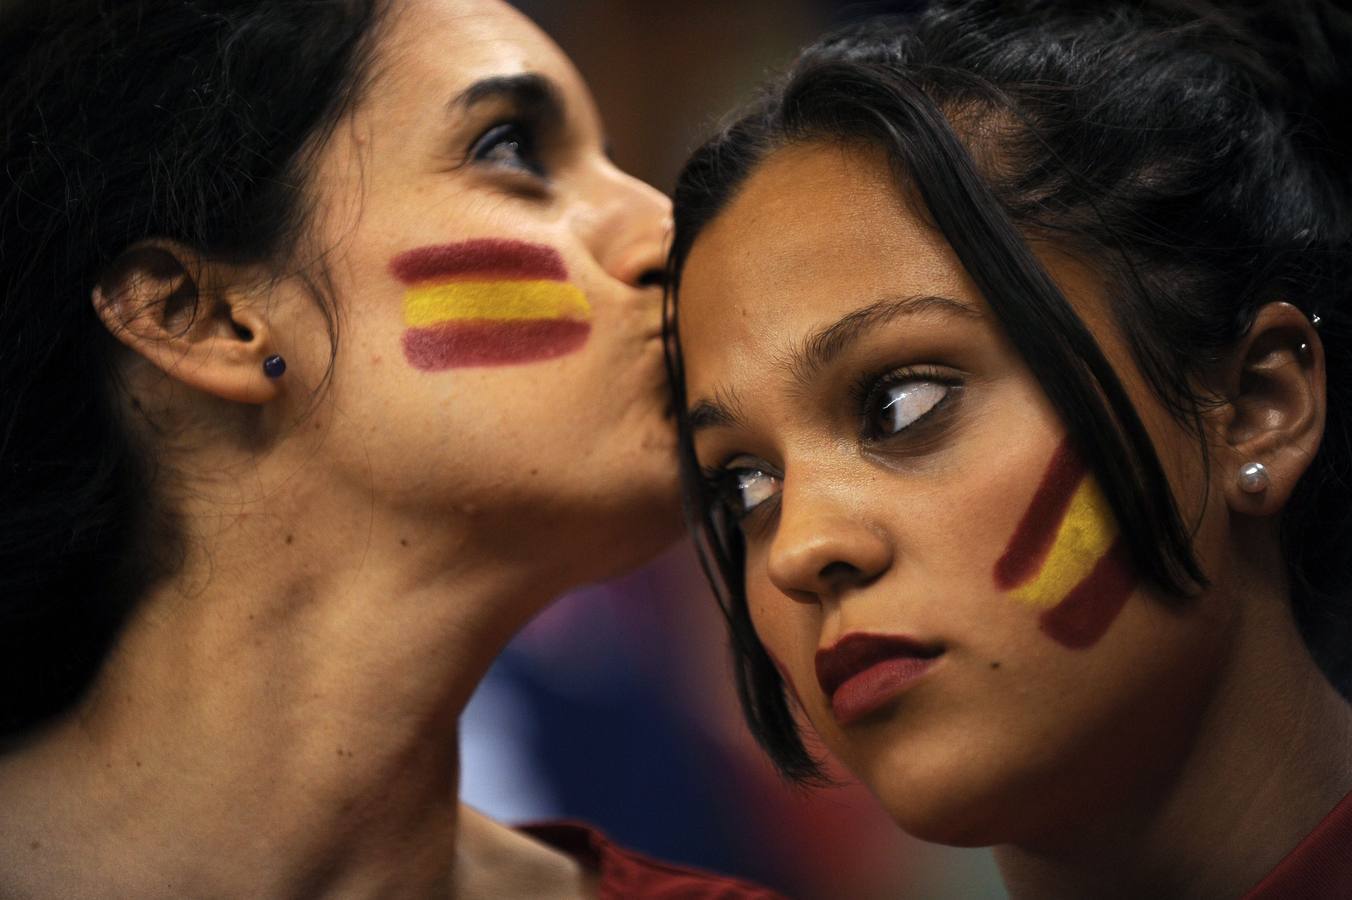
(897, 402)
(743, 485)
(754, 487)
(509, 144)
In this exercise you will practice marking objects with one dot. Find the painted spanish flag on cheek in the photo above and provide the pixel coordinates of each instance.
(489, 302)
(1067, 557)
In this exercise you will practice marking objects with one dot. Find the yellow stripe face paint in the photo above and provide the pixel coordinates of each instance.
(500, 300)
(1067, 557)
(1086, 533)
(489, 302)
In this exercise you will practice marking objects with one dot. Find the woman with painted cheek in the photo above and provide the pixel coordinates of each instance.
(1014, 414)
(331, 354)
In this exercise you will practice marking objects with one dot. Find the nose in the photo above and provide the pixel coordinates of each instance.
(822, 548)
(633, 224)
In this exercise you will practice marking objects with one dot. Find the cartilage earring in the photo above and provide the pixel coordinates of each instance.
(274, 366)
(1253, 478)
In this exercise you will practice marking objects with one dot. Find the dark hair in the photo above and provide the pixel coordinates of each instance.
(1198, 157)
(188, 120)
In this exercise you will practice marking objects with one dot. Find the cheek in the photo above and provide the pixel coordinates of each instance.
(488, 303)
(785, 675)
(1066, 557)
(788, 633)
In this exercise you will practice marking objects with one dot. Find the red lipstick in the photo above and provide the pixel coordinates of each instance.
(861, 673)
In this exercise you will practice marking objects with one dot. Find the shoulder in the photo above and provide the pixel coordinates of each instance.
(1320, 868)
(626, 874)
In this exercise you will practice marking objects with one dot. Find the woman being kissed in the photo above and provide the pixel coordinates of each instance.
(1012, 346)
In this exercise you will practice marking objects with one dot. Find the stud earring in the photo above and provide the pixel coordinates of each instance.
(1253, 478)
(274, 366)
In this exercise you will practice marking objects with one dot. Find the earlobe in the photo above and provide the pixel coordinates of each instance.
(1274, 417)
(190, 318)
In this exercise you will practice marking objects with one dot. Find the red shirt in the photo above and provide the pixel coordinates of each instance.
(1320, 868)
(625, 875)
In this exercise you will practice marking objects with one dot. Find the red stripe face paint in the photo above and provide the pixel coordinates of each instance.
(489, 343)
(1066, 556)
(491, 259)
(1033, 539)
(489, 302)
(1084, 615)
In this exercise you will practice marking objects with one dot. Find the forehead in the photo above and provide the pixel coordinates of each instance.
(438, 48)
(815, 233)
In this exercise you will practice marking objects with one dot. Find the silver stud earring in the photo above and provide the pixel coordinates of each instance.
(1253, 478)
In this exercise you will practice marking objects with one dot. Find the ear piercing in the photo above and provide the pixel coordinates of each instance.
(1253, 478)
(274, 366)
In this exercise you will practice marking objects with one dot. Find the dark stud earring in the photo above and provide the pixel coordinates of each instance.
(274, 366)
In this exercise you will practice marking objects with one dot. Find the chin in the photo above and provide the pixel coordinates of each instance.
(584, 533)
(953, 818)
(627, 541)
(956, 800)
(950, 825)
(642, 518)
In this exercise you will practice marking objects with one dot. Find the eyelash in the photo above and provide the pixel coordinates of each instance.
(512, 134)
(724, 489)
(871, 391)
(724, 483)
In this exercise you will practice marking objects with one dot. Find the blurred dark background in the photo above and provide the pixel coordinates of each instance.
(663, 73)
(616, 706)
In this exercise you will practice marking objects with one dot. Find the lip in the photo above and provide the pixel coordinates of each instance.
(861, 673)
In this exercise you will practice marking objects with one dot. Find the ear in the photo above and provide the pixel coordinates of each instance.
(1273, 383)
(194, 320)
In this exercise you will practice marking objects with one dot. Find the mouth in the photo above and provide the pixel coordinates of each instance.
(862, 673)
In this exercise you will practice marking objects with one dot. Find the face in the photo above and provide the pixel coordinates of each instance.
(499, 353)
(928, 560)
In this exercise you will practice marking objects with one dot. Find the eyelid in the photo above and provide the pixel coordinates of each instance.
(870, 383)
(869, 389)
(720, 481)
(496, 134)
(748, 462)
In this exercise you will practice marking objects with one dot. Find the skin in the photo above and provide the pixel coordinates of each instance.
(1140, 755)
(279, 719)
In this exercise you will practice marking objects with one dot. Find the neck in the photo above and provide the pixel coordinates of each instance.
(279, 718)
(1271, 758)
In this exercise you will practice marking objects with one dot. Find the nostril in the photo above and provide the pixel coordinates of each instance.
(653, 277)
(841, 576)
(839, 572)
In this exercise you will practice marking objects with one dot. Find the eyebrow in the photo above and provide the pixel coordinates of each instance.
(723, 410)
(824, 345)
(530, 93)
(820, 348)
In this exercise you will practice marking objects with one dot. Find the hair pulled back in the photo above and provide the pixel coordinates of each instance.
(121, 121)
(1200, 157)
